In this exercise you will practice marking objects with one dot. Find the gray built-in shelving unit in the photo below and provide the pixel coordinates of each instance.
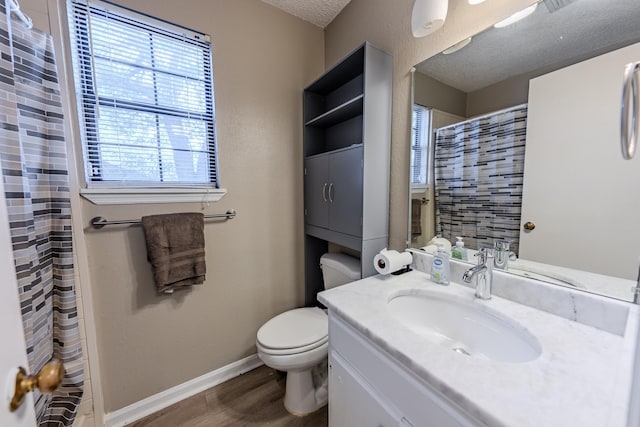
(347, 138)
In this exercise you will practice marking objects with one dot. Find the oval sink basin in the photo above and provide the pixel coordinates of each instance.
(464, 327)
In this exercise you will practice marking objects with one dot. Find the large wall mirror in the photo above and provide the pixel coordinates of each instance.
(516, 139)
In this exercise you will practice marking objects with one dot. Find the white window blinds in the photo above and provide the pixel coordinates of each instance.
(145, 98)
(419, 145)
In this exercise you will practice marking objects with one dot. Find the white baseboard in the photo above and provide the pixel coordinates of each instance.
(166, 398)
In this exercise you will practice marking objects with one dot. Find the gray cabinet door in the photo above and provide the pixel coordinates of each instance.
(316, 191)
(345, 191)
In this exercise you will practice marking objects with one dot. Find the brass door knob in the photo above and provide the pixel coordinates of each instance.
(529, 226)
(47, 380)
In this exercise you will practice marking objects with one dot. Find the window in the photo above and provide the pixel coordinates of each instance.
(420, 125)
(145, 99)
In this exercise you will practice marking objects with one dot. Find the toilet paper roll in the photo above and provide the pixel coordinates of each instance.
(387, 262)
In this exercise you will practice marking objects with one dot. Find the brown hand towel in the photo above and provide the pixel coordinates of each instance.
(416, 217)
(175, 249)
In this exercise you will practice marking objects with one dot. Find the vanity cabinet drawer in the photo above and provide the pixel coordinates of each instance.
(352, 402)
(416, 403)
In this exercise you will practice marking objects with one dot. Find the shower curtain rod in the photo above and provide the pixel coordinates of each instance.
(99, 222)
(482, 116)
(15, 8)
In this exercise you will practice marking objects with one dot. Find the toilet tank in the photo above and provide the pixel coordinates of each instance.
(338, 269)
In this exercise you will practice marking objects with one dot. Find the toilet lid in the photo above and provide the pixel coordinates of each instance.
(294, 328)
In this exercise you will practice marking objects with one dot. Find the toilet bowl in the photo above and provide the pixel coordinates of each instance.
(297, 341)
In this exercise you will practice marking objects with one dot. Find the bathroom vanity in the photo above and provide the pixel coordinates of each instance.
(534, 355)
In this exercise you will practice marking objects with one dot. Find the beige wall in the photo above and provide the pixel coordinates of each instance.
(387, 24)
(434, 94)
(38, 12)
(431, 93)
(504, 94)
(263, 58)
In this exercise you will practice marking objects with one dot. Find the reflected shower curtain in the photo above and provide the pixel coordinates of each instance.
(34, 169)
(479, 168)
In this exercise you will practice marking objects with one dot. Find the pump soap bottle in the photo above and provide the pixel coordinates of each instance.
(459, 251)
(440, 269)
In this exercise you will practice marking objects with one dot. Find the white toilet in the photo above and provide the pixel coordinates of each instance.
(297, 341)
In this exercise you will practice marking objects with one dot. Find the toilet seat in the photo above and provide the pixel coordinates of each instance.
(294, 331)
(294, 350)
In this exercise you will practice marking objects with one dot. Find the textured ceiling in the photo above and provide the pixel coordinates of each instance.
(539, 44)
(318, 12)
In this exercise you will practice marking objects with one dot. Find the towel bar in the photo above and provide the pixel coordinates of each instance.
(98, 222)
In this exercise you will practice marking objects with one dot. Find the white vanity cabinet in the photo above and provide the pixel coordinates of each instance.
(352, 400)
(367, 387)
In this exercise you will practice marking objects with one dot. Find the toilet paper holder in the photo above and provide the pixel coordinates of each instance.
(392, 262)
(406, 269)
(402, 271)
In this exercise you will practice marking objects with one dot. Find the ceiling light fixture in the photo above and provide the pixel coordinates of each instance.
(428, 16)
(517, 16)
(475, 1)
(456, 47)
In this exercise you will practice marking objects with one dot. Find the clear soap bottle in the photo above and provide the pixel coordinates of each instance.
(440, 268)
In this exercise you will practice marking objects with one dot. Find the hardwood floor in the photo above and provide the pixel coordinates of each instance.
(252, 399)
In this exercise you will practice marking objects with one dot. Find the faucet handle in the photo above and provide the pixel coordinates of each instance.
(501, 245)
(483, 254)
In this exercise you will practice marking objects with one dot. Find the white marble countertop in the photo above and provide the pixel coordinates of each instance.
(582, 378)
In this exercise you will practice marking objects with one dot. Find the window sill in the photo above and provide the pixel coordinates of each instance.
(419, 188)
(135, 196)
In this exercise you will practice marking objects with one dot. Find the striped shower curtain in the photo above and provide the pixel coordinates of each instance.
(479, 169)
(35, 173)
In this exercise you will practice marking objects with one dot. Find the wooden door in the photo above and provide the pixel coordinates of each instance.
(13, 352)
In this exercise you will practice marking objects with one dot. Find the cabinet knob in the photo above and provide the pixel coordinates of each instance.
(529, 226)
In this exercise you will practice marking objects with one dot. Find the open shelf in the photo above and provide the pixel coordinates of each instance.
(348, 110)
(336, 150)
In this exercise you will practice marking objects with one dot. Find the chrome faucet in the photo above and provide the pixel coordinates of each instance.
(481, 273)
(502, 255)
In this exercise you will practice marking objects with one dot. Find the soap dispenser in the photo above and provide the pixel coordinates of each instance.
(459, 251)
(440, 268)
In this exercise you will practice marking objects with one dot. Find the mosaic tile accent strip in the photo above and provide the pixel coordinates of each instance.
(479, 170)
(34, 169)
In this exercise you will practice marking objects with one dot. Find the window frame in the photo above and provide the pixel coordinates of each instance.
(135, 192)
(420, 140)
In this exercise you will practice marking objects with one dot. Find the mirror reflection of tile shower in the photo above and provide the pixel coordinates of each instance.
(478, 170)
